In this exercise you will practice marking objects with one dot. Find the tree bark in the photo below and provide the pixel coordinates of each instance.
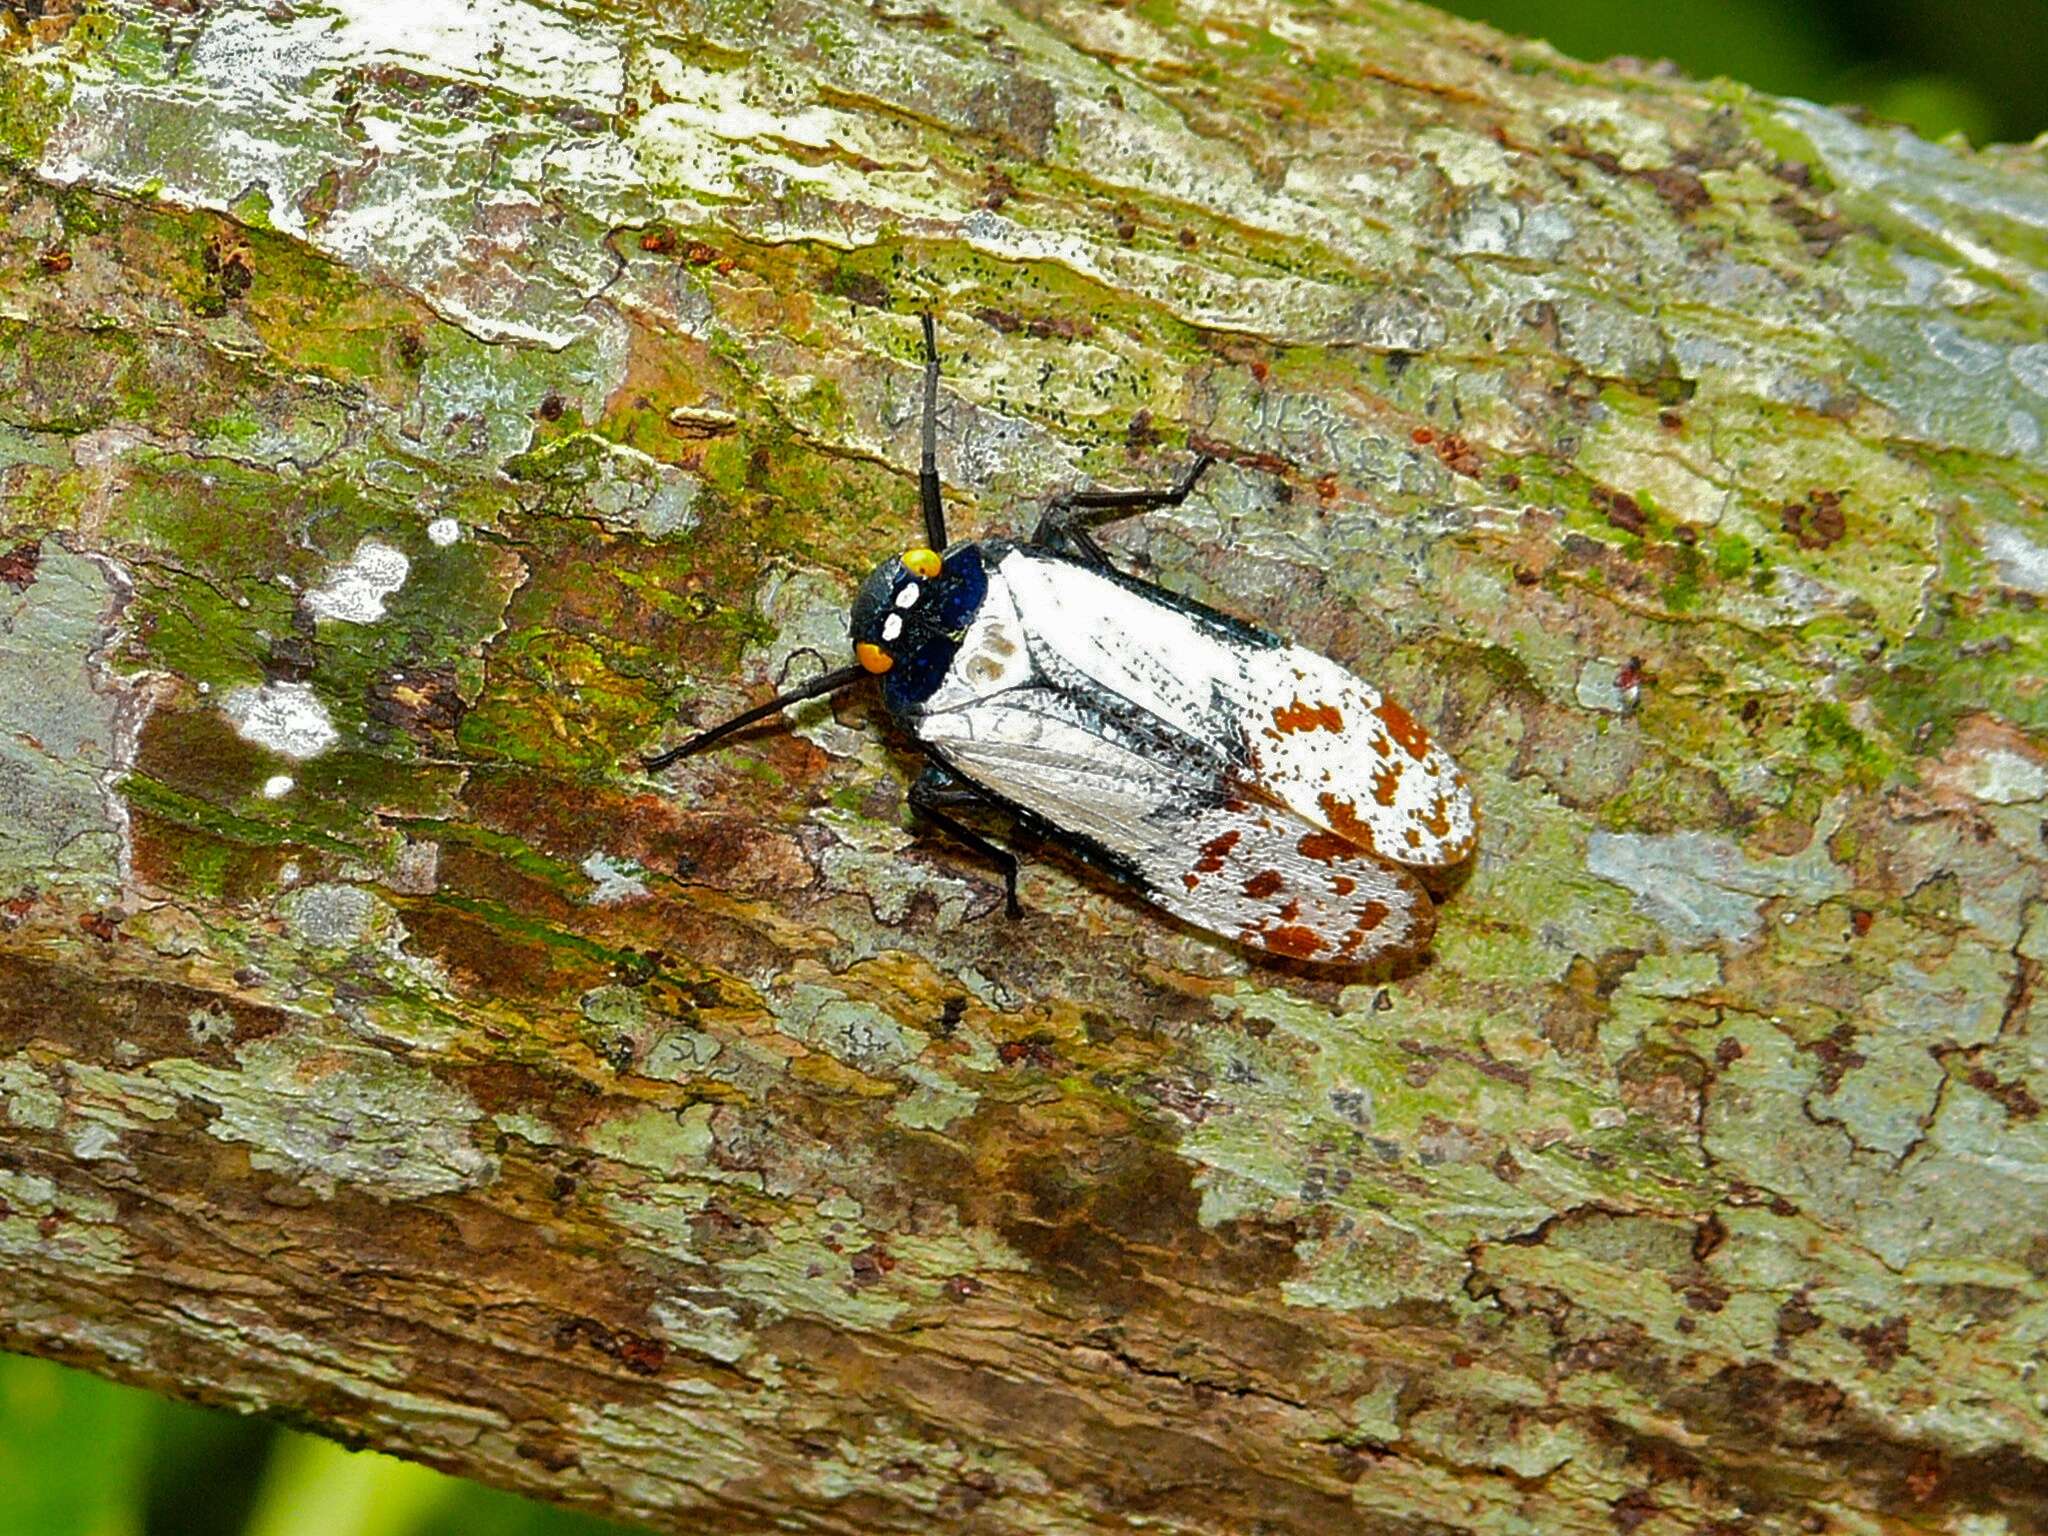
(411, 414)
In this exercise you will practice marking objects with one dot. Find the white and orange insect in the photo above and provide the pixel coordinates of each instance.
(1257, 790)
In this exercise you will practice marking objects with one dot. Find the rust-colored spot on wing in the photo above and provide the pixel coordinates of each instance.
(1439, 818)
(1370, 916)
(1325, 847)
(1213, 853)
(1344, 821)
(1386, 779)
(1402, 727)
(1307, 717)
(1343, 885)
(1263, 884)
(1293, 940)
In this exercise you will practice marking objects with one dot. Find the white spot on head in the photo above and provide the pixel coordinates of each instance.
(892, 626)
(908, 596)
(356, 592)
(285, 717)
(444, 531)
(277, 786)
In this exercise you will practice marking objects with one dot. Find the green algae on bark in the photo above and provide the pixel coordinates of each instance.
(403, 427)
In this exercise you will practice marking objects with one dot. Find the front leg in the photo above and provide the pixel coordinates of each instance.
(1064, 527)
(937, 788)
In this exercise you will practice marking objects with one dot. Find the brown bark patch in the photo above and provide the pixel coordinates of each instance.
(18, 565)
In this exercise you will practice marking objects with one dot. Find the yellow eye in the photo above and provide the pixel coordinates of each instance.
(873, 657)
(921, 562)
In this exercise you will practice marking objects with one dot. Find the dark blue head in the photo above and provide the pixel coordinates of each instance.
(910, 616)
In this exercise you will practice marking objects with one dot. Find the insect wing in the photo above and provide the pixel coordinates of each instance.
(1304, 731)
(1294, 889)
(1337, 751)
(1249, 870)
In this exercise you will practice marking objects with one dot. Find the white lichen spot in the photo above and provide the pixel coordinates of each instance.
(332, 915)
(443, 531)
(709, 1330)
(2021, 562)
(94, 1142)
(285, 717)
(277, 786)
(491, 41)
(385, 134)
(2002, 777)
(614, 880)
(355, 593)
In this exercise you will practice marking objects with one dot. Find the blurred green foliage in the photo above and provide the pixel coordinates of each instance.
(1942, 66)
(83, 1457)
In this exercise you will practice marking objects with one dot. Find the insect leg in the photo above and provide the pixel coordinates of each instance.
(928, 462)
(931, 792)
(1068, 517)
(829, 683)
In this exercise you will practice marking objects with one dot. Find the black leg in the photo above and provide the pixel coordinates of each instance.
(829, 683)
(935, 789)
(1068, 518)
(928, 462)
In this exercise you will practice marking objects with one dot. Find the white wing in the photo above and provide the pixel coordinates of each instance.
(1247, 869)
(1303, 731)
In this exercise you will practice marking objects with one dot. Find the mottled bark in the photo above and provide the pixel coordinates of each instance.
(408, 413)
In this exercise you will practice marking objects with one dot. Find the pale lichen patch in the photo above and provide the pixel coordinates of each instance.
(355, 592)
(28, 1099)
(808, 610)
(43, 1223)
(856, 1032)
(672, 1143)
(705, 1329)
(288, 718)
(614, 880)
(332, 1111)
(333, 915)
(934, 1104)
(1698, 886)
(70, 725)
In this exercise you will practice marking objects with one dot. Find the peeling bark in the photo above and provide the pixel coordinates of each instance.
(401, 427)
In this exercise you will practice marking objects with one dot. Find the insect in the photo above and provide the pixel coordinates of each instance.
(1251, 787)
